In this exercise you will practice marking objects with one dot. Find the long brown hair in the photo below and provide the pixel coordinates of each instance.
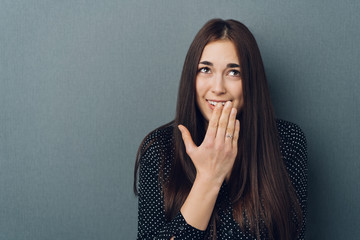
(259, 186)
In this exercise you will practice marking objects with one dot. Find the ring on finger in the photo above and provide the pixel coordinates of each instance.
(228, 135)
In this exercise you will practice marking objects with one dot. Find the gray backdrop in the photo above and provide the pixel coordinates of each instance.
(82, 82)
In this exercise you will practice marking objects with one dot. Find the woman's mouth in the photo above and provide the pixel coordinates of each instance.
(212, 103)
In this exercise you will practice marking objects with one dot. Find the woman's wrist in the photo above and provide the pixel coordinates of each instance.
(209, 183)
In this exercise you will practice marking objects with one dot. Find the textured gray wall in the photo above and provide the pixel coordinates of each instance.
(82, 82)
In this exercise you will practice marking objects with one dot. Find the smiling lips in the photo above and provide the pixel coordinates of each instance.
(212, 103)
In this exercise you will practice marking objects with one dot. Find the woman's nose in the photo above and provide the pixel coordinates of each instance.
(218, 86)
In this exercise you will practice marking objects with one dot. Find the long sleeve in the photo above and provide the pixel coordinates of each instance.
(152, 223)
(294, 150)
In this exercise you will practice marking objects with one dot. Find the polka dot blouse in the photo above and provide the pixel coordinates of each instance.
(151, 216)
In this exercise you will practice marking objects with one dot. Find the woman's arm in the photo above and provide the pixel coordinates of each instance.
(152, 223)
(200, 203)
(298, 172)
(294, 151)
(213, 161)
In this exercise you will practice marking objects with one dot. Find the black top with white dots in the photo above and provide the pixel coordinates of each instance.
(151, 216)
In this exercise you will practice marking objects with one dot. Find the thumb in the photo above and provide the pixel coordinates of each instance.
(186, 136)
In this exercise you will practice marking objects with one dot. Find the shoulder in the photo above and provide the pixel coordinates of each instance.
(160, 135)
(290, 131)
(157, 143)
(291, 136)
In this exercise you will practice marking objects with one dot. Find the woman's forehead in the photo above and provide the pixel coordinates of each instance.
(220, 51)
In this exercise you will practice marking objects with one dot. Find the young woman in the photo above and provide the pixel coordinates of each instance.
(225, 168)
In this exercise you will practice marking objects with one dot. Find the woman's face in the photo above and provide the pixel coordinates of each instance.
(218, 77)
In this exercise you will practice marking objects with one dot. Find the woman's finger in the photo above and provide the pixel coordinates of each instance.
(231, 126)
(236, 133)
(213, 123)
(188, 141)
(223, 122)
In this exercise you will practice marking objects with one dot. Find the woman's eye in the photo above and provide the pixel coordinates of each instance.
(204, 70)
(234, 73)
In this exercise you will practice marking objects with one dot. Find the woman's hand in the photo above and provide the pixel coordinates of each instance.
(215, 157)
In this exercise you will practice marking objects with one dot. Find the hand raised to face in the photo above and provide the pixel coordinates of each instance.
(215, 157)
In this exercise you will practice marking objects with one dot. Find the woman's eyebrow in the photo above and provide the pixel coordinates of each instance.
(207, 63)
(233, 65)
(230, 65)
